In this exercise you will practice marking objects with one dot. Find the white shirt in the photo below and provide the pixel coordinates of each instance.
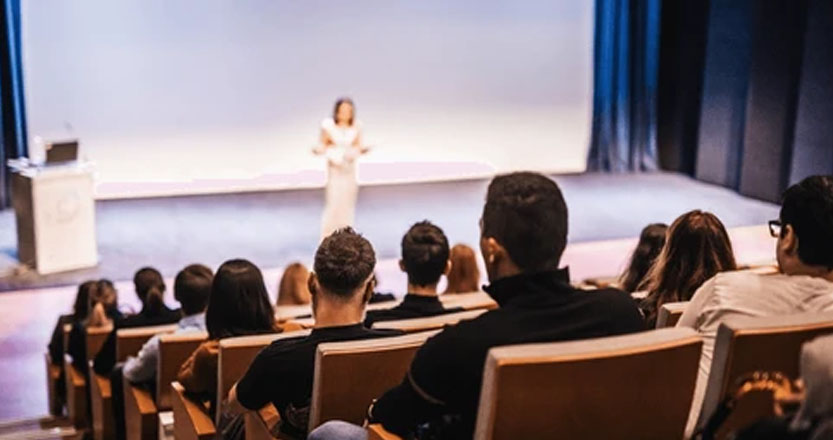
(142, 367)
(743, 293)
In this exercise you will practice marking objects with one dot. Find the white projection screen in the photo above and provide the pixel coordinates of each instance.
(189, 96)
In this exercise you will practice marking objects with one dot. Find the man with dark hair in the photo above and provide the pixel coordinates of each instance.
(523, 234)
(805, 283)
(425, 259)
(282, 373)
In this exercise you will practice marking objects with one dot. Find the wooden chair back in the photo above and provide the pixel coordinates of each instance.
(670, 313)
(96, 336)
(236, 354)
(621, 387)
(430, 323)
(174, 350)
(468, 301)
(746, 345)
(349, 375)
(130, 340)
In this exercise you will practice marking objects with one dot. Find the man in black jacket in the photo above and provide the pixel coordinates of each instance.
(523, 234)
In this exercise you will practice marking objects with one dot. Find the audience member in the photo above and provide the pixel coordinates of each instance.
(523, 235)
(80, 312)
(293, 290)
(192, 286)
(237, 306)
(104, 312)
(805, 283)
(696, 249)
(425, 259)
(464, 276)
(150, 288)
(282, 373)
(651, 241)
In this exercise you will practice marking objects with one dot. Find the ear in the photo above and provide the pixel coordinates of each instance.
(448, 266)
(402, 265)
(368, 290)
(788, 241)
(493, 251)
(312, 284)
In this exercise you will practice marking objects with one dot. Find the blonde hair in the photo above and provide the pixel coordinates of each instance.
(293, 289)
(464, 276)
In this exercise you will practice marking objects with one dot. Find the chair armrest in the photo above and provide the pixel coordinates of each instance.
(101, 405)
(53, 374)
(76, 395)
(191, 420)
(261, 424)
(376, 431)
(140, 413)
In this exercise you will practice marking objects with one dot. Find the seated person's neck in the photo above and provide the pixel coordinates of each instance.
(337, 313)
(811, 271)
(430, 290)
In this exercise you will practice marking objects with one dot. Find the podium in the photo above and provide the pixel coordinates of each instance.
(55, 215)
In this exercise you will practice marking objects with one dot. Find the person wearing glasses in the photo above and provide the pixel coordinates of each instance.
(804, 282)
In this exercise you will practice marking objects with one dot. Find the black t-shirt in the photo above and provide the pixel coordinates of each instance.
(446, 374)
(282, 373)
(412, 306)
(105, 360)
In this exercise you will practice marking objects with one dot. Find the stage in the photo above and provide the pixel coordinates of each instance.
(273, 228)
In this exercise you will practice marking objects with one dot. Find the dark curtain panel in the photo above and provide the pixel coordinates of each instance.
(12, 112)
(626, 63)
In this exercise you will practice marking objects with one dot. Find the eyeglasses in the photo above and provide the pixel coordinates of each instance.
(775, 228)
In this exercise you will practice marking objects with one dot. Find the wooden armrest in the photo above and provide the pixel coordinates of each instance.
(53, 374)
(140, 414)
(261, 424)
(76, 395)
(191, 419)
(102, 406)
(376, 431)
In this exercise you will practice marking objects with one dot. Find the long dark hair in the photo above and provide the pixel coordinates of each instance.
(81, 308)
(696, 249)
(239, 304)
(150, 288)
(650, 245)
(340, 101)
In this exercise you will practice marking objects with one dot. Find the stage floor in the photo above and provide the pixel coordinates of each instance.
(275, 228)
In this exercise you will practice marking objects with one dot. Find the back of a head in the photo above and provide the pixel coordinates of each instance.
(83, 300)
(105, 294)
(808, 207)
(238, 304)
(150, 288)
(192, 288)
(464, 276)
(293, 288)
(344, 262)
(651, 241)
(525, 212)
(697, 247)
(424, 253)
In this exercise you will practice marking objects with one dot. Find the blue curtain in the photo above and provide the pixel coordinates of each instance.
(12, 110)
(626, 63)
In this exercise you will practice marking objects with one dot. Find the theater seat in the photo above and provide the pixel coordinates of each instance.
(746, 345)
(430, 323)
(128, 343)
(76, 380)
(670, 313)
(141, 410)
(622, 387)
(350, 375)
(235, 356)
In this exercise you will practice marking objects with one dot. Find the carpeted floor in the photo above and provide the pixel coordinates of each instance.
(274, 228)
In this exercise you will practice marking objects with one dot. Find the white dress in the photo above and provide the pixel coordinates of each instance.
(342, 188)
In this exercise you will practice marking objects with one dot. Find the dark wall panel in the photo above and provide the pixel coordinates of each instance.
(774, 67)
(725, 75)
(813, 142)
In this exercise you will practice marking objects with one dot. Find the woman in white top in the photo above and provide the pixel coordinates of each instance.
(341, 144)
